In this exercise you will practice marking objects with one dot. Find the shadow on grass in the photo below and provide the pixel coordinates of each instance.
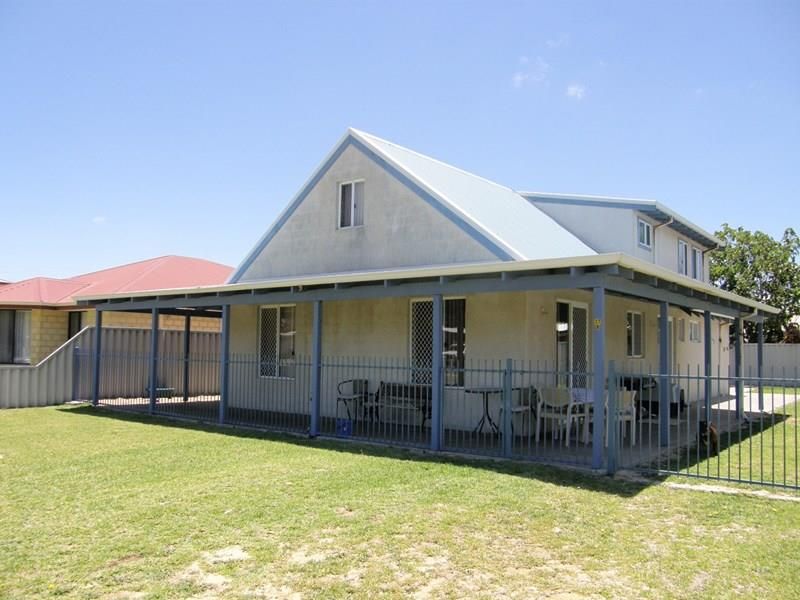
(546, 473)
(695, 459)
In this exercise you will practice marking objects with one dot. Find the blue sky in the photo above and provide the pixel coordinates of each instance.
(135, 129)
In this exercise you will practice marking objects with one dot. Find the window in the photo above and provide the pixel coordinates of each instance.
(276, 343)
(15, 336)
(454, 337)
(645, 231)
(351, 204)
(635, 334)
(74, 324)
(694, 331)
(683, 258)
(697, 263)
(681, 330)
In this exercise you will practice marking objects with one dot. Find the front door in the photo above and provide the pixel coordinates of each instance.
(572, 343)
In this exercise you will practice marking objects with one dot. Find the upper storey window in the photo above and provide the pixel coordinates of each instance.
(683, 258)
(645, 234)
(351, 204)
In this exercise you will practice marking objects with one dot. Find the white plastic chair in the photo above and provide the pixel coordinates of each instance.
(626, 413)
(555, 405)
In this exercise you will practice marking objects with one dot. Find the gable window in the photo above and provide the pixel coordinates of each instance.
(351, 204)
(454, 337)
(276, 341)
(683, 258)
(635, 334)
(697, 263)
(15, 336)
(694, 331)
(645, 233)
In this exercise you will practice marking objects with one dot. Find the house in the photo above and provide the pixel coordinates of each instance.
(412, 282)
(38, 315)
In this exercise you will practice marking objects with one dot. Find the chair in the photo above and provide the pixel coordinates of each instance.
(351, 392)
(523, 407)
(555, 404)
(626, 413)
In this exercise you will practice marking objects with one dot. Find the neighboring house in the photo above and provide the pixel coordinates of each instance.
(38, 315)
(380, 236)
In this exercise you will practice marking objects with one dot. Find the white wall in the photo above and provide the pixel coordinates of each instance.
(374, 334)
(400, 229)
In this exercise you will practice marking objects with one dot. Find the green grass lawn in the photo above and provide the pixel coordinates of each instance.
(765, 450)
(94, 505)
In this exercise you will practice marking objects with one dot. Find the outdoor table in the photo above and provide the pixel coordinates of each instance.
(485, 391)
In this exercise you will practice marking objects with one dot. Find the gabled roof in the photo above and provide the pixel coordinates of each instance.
(652, 208)
(153, 274)
(494, 215)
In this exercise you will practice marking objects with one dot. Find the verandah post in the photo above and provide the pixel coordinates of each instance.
(96, 351)
(663, 378)
(599, 379)
(739, 383)
(316, 368)
(153, 359)
(508, 438)
(760, 365)
(225, 363)
(707, 363)
(437, 387)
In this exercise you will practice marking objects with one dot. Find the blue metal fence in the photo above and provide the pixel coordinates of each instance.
(678, 423)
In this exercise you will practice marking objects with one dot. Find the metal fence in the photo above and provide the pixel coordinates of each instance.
(716, 427)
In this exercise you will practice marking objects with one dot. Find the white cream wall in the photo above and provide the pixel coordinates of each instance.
(519, 325)
(400, 229)
(617, 234)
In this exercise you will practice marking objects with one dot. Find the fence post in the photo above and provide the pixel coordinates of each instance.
(187, 336)
(664, 374)
(153, 360)
(707, 363)
(96, 350)
(76, 356)
(612, 419)
(316, 368)
(225, 362)
(508, 433)
(436, 376)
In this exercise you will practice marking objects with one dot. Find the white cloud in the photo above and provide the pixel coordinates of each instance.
(576, 91)
(558, 42)
(519, 79)
(535, 71)
(98, 220)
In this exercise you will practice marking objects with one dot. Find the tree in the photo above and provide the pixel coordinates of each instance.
(757, 266)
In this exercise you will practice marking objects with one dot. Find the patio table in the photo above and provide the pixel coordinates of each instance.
(485, 391)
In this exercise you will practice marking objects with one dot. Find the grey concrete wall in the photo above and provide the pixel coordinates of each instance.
(400, 229)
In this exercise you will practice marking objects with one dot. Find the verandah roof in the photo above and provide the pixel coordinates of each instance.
(618, 273)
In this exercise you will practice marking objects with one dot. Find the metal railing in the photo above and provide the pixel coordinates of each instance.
(716, 427)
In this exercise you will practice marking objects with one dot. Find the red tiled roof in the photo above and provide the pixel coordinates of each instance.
(157, 273)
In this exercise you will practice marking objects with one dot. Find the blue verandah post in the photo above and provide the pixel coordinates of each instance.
(316, 368)
(153, 359)
(437, 387)
(508, 438)
(707, 363)
(225, 364)
(739, 383)
(187, 336)
(599, 381)
(663, 379)
(612, 425)
(96, 351)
